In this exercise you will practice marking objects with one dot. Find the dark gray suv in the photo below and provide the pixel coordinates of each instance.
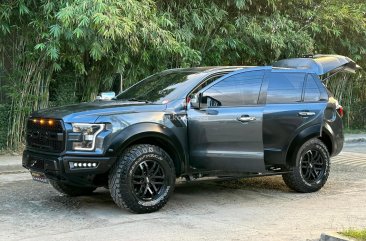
(196, 122)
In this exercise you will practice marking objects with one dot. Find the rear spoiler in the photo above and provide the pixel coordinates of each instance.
(320, 64)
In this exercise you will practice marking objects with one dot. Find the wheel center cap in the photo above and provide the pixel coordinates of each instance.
(147, 179)
(311, 165)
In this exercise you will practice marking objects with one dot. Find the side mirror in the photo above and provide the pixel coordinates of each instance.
(195, 101)
(106, 95)
(199, 101)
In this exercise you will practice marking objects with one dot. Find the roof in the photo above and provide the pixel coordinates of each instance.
(319, 64)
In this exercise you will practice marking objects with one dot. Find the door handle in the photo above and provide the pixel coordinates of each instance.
(306, 113)
(212, 112)
(246, 118)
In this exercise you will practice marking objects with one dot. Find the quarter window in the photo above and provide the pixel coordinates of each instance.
(285, 87)
(312, 92)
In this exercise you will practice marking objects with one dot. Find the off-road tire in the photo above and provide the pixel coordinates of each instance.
(296, 180)
(122, 178)
(71, 191)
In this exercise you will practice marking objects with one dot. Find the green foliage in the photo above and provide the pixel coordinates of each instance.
(63, 90)
(77, 46)
(4, 120)
(354, 233)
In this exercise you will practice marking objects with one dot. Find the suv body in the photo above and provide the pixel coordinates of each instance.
(196, 122)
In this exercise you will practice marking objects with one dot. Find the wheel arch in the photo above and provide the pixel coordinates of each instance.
(305, 135)
(154, 134)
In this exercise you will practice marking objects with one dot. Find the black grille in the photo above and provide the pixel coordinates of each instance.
(45, 135)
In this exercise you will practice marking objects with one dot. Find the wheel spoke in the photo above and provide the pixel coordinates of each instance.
(157, 183)
(148, 179)
(142, 167)
(146, 189)
(310, 154)
(306, 174)
(153, 185)
(158, 177)
(141, 189)
(156, 171)
(149, 189)
(152, 169)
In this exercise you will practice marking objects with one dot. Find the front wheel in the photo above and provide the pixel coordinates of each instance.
(143, 179)
(312, 167)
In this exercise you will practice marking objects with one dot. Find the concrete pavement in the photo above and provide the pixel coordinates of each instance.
(244, 209)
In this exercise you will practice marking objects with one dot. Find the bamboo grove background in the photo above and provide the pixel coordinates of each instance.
(57, 52)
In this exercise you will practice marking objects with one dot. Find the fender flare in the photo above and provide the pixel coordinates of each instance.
(304, 135)
(136, 132)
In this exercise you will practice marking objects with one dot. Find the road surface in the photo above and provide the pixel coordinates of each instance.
(246, 209)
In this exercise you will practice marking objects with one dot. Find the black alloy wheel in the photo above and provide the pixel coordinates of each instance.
(148, 180)
(312, 166)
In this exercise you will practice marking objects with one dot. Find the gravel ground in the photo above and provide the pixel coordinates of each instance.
(246, 209)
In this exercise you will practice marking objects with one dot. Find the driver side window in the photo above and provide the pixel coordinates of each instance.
(236, 90)
(205, 83)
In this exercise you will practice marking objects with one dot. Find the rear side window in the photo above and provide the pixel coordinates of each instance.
(311, 92)
(236, 90)
(285, 87)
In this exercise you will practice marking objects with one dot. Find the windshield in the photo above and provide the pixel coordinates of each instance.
(157, 88)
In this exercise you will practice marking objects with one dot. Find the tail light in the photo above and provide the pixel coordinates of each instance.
(340, 110)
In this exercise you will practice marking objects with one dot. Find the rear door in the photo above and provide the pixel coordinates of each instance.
(294, 103)
(227, 135)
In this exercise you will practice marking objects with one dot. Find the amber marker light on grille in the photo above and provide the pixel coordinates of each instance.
(50, 122)
(34, 120)
(41, 121)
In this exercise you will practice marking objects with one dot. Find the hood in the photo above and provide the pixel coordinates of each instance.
(89, 112)
(320, 64)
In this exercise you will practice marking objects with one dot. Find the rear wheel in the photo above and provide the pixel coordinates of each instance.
(70, 190)
(143, 179)
(312, 167)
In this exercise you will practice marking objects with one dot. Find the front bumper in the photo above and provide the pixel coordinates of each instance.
(58, 168)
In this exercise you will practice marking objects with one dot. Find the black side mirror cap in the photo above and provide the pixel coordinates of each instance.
(195, 101)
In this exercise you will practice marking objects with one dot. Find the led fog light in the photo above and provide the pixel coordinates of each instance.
(82, 165)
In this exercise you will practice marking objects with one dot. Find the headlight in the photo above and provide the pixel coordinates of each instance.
(88, 134)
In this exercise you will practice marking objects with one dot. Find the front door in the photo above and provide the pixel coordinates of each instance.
(226, 135)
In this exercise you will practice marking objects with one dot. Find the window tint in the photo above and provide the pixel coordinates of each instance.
(205, 83)
(312, 92)
(285, 87)
(236, 90)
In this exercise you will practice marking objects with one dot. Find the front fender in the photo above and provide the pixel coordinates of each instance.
(132, 134)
